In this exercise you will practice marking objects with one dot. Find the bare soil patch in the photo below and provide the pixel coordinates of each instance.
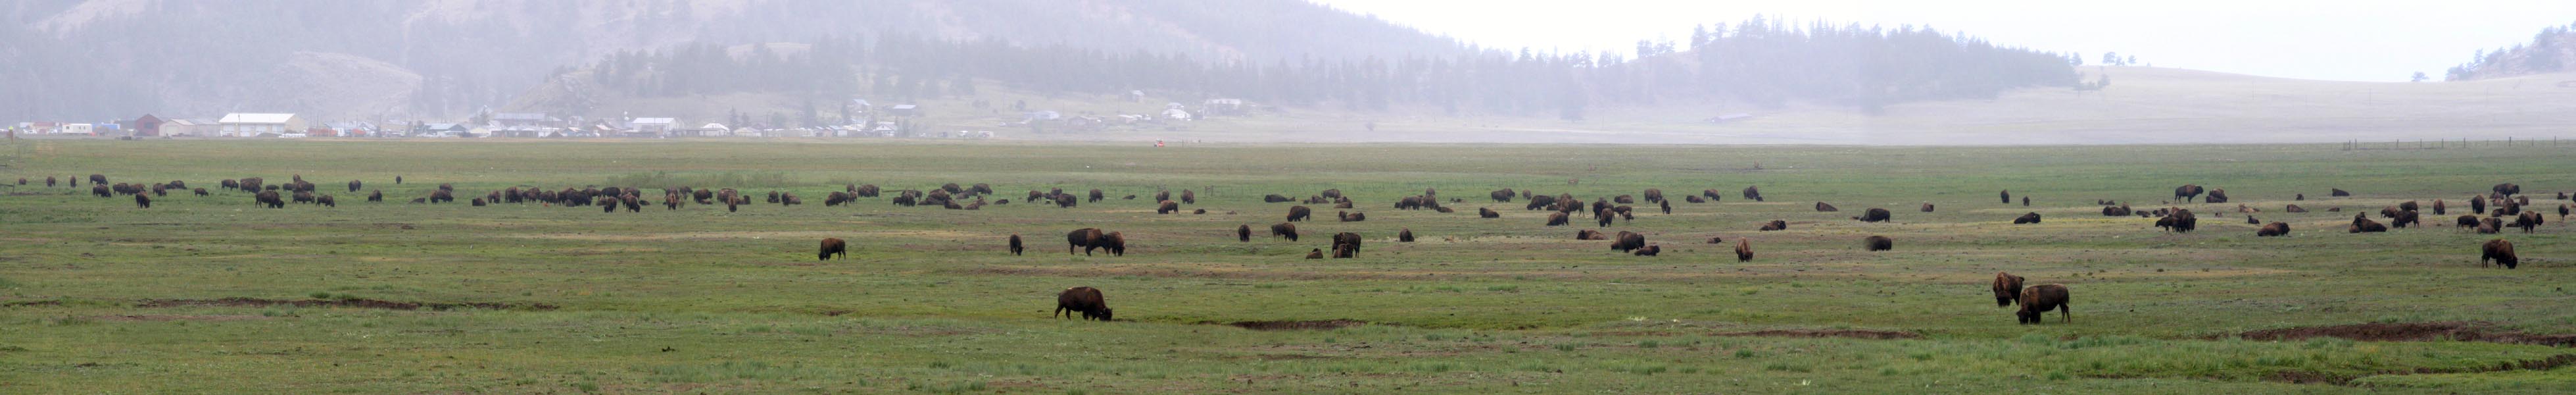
(2315, 377)
(2414, 331)
(1842, 333)
(1317, 325)
(354, 303)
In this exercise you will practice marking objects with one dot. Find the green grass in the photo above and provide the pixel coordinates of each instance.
(702, 300)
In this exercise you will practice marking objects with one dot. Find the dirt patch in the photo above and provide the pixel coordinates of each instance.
(1295, 325)
(2414, 331)
(2315, 377)
(1842, 333)
(33, 303)
(354, 303)
(167, 317)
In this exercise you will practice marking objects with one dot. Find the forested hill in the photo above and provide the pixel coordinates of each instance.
(2552, 50)
(1756, 62)
(104, 59)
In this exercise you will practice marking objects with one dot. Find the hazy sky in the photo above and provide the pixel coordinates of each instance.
(2359, 40)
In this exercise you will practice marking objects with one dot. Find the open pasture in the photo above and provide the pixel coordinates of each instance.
(214, 294)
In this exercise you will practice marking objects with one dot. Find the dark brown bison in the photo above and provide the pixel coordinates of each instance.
(2562, 212)
(1315, 254)
(1821, 206)
(2477, 204)
(1015, 244)
(1775, 225)
(1743, 250)
(2025, 201)
(1694, 199)
(1276, 198)
(1284, 229)
(1927, 207)
(2180, 221)
(1604, 217)
(2403, 219)
(2507, 189)
(1085, 300)
(1557, 219)
(2249, 220)
(1243, 233)
(1348, 238)
(2408, 206)
(142, 200)
(2026, 218)
(101, 190)
(1331, 193)
(1345, 251)
(2338, 192)
(2187, 192)
(1086, 239)
(354, 185)
(326, 201)
(49, 181)
(2295, 209)
(1351, 216)
(1096, 195)
(2038, 300)
(1650, 250)
(441, 196)
(1167, 207)
(2490, 225)
(2116, 211)
(1189, 197)
(1163, 196)
(2007, 289)
(1754, 193)
(1873, 215)
(102, 179)
(1878, 243)
(1299, 213)
(201, 192)
(1404, 236)
(1667, 205)
(1540, 201)
(270, 198)
(2006, 195)
(833, 248)
(2527, 220)
(2215, 196)
(2365, 225)
(1652, 194)
(2466, 221)
(1502, 195)
(1628, 242)
(2301, 196)
(1482, 212)
(2499, 251)
(1588, 234)
(2273, 229)
(1115, 242)
(1624, 199)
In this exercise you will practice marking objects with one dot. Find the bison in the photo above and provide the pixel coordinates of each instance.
(1085, 300)
(1276, 198)
(1821, 206)
(1743, 250)
(1284, 229)
(2116, 211)
(2337, 192)
(1628, 241)
(2026, 218)
(2466, 221)
(2038, 300)
(1242, 233)
(1873, 215)
(2490, 225)
(1557, 219)
(201, 192)
(1404, 236)
(2527, 220)
(1347, 238)
(1502, 195)
(1299, 213)
(142, 200)
(2007, 289)
(1095, 196)
(2295, 209)
(1315, 254)
(1167, 207)
(1927, 207)
(1775, 225)
(833, 248)
(1015, 244)
(1189, 197)
(2365, 225)
(270, 198)
(1086, 239)
(1115, 242)
(1351, 216)
(325, 201)
(2273, 229)
(1345, 251)
(2507, 189)
(1650, 250)
(1754, 193)
(2477, 204)
(1482, 212)
(1588, 234)
(2499, 251)
(1878, 243)
(2403, 219)
(2215, 196)
(2006, 195)
(2187, 192)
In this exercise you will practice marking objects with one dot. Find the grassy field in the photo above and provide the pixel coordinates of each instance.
(103, 297)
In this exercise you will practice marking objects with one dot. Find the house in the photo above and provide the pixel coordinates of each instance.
(711, 130)
(82, 129)
(529, 120)
(188, 128)
(442, 130)
(253, 124)
(147, 126)
(656, 127)
(904, 110)
(1176, 114)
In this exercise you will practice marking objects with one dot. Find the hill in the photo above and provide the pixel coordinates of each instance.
(94, 59)
(2552, 50)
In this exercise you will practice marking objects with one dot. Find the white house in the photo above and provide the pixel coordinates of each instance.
(652, 126)
(252, 124)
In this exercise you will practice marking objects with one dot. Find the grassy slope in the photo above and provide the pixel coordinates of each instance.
(929, 303)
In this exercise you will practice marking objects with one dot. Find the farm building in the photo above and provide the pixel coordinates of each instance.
(253, 124)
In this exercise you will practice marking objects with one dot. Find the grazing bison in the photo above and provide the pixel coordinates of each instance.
(1502, 195)
(353, 185)
(1878, 243)
(1873, 215)
(201, 192)
(1086, 239)
(102, 179)
(2500, 251)
(1754, 193)
(441, 196)
(1242, 233)
(1588, 234)
(1299, 213)
(1316, 254)
(270, 198)
(1167, 207)
(2273, 229)
(1653, 194)
(1284, 229)
(2007, 289)
(1095, 196)
(1775, 225)
(142, 200)
(2180, 221)
(2187, 192)
(1604, 217)
(1085, 300)
(325, 201)
(1927, 207)
(1404, 236)
(1743, 250)
(2038, 300)
(1540, 201)
(2026, 218)
(1650, 250)
(1115, 242)
(1667, 205)
(2215, 196)
(2527, 220)
(101, 190)
(833, 248)
(1189, 197)
(2507, 189)
(1557, 219)
(377, 196)
(2466, 221)
(1351, 216)
(2562, 212)
(1015, 244)
(1821, 206)
(1347, 238)
(1628, 242)
(1482, 212)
